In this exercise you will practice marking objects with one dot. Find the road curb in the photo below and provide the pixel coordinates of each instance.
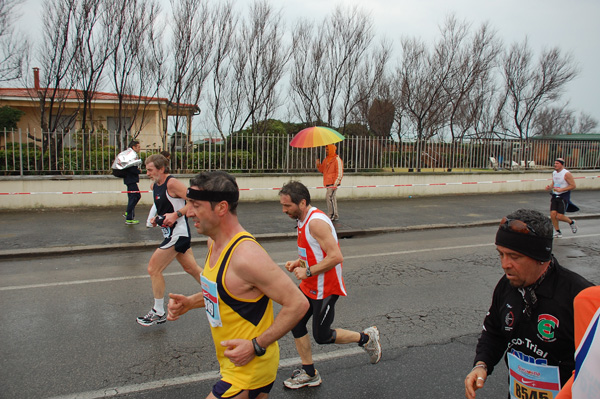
(342, 233)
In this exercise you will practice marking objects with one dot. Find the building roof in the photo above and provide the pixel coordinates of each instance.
(571, 137)
(98, 97)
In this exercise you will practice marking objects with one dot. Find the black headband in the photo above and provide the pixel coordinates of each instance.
(213, 196)
(538, 248)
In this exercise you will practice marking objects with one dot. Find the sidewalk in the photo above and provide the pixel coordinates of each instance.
(69, 231)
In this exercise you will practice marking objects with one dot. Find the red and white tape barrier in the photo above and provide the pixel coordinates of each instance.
(317, 187)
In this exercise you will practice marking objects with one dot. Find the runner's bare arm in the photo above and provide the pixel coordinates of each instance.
(570, 181)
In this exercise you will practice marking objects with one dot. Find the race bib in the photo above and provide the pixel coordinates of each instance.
(211, 302)
(532, 381)
(166, 232)
(302, 256)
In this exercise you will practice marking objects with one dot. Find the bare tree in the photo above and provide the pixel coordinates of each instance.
(482, 112)
(94, 30)
(134, 67)
(225, 28)
(550, 121)
(192, 43)
(530, 87)
(329, 64)
(381, 117)
(364, 86)
(586, 123)
(56, 57)
(259, 63)
(308, 57)
(473, 66)
(420, 95)
(14, 48)
(55, 78)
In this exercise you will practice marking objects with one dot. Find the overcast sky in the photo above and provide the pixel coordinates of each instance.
(573, 26)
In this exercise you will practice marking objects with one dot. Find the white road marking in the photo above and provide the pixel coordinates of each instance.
(410, 251)
(189, 379)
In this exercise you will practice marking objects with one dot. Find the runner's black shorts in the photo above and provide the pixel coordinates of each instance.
(180, 243)
(559, 204)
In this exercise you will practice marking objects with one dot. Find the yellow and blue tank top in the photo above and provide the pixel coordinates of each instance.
(231, 317)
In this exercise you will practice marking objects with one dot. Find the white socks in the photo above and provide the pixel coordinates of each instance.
(159, 306)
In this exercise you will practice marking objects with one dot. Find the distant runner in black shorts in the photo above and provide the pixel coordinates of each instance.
(169, 198)
(562, 184)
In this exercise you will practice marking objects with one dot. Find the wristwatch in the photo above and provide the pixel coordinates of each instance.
(308, 272)
(258, 350)
(179, 214)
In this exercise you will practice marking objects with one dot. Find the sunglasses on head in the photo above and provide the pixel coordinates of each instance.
(518, 226)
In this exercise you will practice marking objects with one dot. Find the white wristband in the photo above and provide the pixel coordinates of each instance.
(482, 365)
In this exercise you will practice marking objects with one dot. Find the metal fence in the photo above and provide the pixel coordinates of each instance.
(90, 154)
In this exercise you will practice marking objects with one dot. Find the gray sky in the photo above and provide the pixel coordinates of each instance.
(570, 25)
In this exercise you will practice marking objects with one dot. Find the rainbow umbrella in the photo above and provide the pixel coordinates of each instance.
(315, 136)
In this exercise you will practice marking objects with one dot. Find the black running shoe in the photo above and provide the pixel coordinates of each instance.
(151, 319)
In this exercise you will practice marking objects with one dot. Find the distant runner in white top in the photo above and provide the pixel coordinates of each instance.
(562, 184)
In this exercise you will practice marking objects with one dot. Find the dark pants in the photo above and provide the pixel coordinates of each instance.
(134, 198)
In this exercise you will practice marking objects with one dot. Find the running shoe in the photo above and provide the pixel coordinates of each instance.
(557, 234)
(373, 347)
(132, 221)
(300, 379)
(151, 319)
(573, 226)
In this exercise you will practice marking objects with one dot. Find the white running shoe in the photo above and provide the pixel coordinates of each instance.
(573, 226)
(373, 347)
(557, 234)
(300, 379)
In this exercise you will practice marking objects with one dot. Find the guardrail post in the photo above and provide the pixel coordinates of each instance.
(20, 154)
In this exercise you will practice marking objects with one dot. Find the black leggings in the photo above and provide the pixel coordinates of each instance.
(322, 311)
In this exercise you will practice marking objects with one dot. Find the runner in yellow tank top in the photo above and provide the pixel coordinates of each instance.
(244, 319)
(239, 283)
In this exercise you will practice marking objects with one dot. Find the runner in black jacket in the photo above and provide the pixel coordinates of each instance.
(531, 316)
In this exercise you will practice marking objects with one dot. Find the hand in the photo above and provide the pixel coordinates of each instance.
(153, 221)
(474, 381)
(239, 351)
(178, 306)
(170, 219)
(300, 273)
(290, 265)
(548, 188)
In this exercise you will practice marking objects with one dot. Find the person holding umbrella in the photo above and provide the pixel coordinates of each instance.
(332, 168)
